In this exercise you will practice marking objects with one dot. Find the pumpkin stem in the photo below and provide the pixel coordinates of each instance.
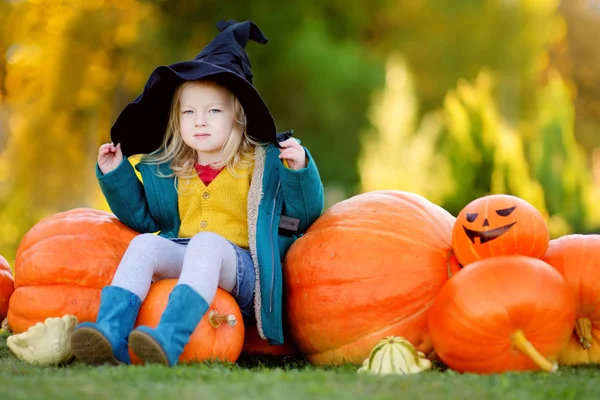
(521, 343)
(583, 327)
(217, 319)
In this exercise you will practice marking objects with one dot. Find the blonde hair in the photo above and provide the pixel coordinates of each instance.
(237, 151)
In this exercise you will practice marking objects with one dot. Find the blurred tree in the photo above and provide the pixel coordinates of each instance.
(467, 150)
(577, 57)
(399, 153)
(60, 59)
(4, 42)
(446, 41)
(559, 163)
(484, 154)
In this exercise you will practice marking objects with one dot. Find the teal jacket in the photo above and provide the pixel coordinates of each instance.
(275, 191)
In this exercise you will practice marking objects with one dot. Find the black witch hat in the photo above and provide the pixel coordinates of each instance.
(141, 126)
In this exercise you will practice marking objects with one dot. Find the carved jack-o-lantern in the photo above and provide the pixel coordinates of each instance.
(499, 225)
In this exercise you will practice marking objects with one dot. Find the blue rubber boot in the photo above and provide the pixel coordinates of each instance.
(165, 343)
(106, 340)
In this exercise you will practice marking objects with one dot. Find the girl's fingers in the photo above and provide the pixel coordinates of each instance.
(291, 142)
(105, 146)
(289, 153)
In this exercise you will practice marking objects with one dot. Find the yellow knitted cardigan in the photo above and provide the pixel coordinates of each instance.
(221, 207)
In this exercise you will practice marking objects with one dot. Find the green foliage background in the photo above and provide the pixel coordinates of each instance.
(453, 99)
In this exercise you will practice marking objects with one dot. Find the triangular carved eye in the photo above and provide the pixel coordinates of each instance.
(472, 217)
(506, 211)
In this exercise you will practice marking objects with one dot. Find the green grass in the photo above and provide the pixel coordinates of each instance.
(282, 379)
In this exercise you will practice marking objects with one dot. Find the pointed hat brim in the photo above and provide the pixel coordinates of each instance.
(141, 126)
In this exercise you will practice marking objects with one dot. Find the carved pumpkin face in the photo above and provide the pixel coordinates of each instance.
(498, 225)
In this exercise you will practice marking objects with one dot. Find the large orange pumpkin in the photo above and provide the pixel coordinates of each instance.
(498, 225)
(368, 268)
(219, 335)
(62, 264)
(7, 286)
(577, 258)
(508, 313)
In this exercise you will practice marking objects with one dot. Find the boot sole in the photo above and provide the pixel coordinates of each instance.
(147, 348)
(91, 347)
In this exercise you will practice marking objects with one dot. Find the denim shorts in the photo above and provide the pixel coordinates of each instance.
(243, 292)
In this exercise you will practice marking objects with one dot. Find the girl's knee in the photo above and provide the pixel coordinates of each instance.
(143, 239)
(208, 239)
(145, 242)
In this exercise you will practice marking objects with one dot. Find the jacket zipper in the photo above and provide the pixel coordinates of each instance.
(273, 249)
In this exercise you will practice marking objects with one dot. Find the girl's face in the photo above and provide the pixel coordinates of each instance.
(206, 119)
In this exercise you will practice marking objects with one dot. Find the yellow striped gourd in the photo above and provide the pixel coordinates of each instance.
(395, 355)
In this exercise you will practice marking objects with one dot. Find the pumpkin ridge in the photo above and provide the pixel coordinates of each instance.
(407, 316)
(406, 200)
(91, 260)
(340, 280)
(416, 312)
(436, 219)
(108, 227)
(393, 235)
(71, 284)
(77, 236)
(474, 323)
(35, 304)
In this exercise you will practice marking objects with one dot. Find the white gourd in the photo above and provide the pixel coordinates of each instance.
(47, 343)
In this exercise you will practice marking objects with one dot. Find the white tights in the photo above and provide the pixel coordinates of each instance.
(206, 262)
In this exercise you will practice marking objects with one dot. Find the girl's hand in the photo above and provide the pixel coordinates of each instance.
(109, 157)
(293, 153)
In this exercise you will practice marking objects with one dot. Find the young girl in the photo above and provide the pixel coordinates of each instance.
(225, 196)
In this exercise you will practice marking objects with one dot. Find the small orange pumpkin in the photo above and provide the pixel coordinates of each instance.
(7, 286)
(498, 225)
(219, 335)
(508, 313)
(62, 264)
(577, 258)
(368, 268)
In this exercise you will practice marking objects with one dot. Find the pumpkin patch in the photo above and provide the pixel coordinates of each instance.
(499, 225)
(373, 268)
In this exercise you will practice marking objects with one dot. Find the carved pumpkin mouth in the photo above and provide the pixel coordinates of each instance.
(486, 236)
